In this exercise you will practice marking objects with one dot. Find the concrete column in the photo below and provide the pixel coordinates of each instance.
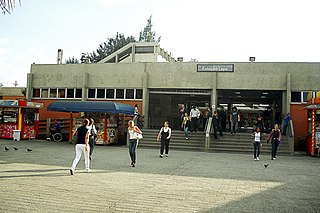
(85, 86)
(133, 53)
(29, 87)
(145, 98)
(288, 100)
(214, 92)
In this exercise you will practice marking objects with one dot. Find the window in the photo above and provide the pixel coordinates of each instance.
(305, 97)
(110, 93)
(129, 93)
(91, 93)
(44, 93)
(61, 93)
(70, 93)
(138, 93)
(53, 93)
(120, 94)
(296, 97)
(78, 93)
(36, 93)
(101, 93)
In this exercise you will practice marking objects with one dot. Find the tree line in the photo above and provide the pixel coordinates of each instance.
(113, 44)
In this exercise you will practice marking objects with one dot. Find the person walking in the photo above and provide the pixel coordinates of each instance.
(260, 122)
(286, 122)
(165, 135)
(92, 133)
(223, 117)
(82, 147)
(194, 117)
(185, 125)
(256, 143)
(133, 141)
(234, 119)
(275, 136)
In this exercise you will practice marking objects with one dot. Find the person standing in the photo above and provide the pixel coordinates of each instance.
(275, 136)
(92, 133)
(82, 147)
(133, 141)
(286, 122)
(185, 125)
(256, 143)
(234, 119)
(136, 115)
(194, 117)
(165, 135)
(260, 122)
(223, 117)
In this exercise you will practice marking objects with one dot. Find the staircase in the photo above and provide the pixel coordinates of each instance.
(242, 143)
(177, 142)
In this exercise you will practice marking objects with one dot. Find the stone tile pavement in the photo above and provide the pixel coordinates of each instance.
(39, 181)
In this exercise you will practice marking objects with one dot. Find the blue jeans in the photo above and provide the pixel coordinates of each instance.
(185, 129)
(132, 149)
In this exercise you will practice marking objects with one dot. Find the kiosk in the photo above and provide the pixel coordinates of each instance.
(107, 126)
(19, 119)
(313, 141)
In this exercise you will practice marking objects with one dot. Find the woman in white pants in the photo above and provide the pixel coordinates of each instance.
(82, 145)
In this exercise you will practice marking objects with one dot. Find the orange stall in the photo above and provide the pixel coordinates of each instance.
(19, 119)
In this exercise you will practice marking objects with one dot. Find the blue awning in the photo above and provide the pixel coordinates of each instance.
(90, 106)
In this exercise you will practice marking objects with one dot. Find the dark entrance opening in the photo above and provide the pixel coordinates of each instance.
(164, 105)
(251, 103)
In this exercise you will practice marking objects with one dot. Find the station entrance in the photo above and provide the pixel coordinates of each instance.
(251, 103)
(164, 105)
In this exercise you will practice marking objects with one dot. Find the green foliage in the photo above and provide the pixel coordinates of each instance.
(24, 91)
(7, 5)
(107, 48)
(120, 40)
(72, 60)
(147, 35)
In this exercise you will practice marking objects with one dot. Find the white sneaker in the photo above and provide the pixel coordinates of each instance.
(273, 158)
(258, 158)
(255, 159)
(88, 170)
(167, 155)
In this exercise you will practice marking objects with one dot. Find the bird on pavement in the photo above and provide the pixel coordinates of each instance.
(266, 165)
(29, 150)
(15, 148)
(6, 149)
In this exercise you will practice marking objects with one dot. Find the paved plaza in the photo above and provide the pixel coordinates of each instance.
(39, 181)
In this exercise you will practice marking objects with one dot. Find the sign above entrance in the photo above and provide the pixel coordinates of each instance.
(215, 68)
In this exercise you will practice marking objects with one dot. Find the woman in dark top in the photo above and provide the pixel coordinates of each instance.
(275, 136)
(164, 134)
(82, 145)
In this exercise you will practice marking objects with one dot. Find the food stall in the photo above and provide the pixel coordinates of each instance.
(313, 140)
(105, 119)
(19, 119)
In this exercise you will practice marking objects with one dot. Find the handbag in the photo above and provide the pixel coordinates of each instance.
(139, 136)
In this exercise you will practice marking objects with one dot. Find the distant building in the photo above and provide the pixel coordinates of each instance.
(11, 93)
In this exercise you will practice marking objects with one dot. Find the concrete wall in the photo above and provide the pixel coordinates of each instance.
(261, 76)
(11, 92)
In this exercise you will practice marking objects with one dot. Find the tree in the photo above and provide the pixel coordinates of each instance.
(107, 48)
(72, 60)
(24, 91)
(147, 35)
(8, 5)
(1, 85)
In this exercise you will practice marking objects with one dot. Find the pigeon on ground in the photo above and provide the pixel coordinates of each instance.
(29, 150)
(266, 165)
(15, 148)
(6, 149)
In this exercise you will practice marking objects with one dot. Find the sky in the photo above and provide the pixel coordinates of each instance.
(205, 30)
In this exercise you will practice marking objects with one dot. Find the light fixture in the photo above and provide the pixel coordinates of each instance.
(238, 93)
(265, 93)
(262, 96)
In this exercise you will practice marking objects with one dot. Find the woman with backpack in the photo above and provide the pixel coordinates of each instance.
(133, 132)
(275, 136)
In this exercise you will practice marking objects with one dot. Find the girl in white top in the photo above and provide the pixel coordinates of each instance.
(165, 135)
(133, 141)
(256, 143)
